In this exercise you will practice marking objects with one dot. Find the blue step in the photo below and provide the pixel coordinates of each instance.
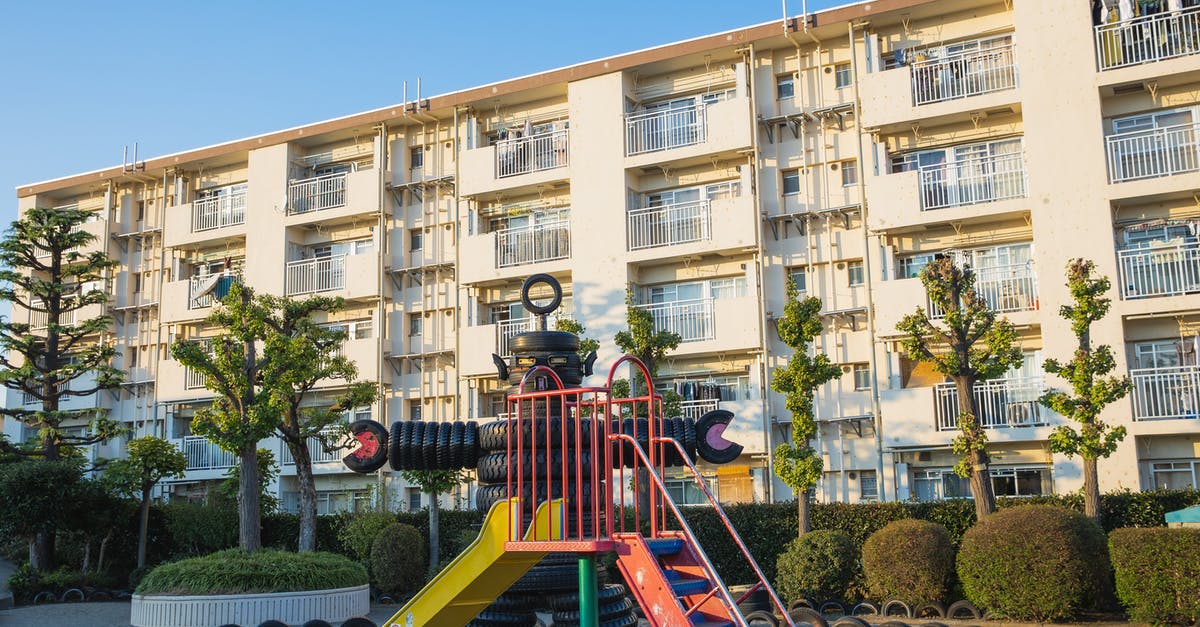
(664, 546)
(698, 621)
(687, 587)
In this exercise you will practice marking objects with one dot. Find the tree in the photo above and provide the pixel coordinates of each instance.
(1091, 389)
(797, 463)
(245, 408)
(587, 345)
(313, 355)
(433, 483)
(148, 460)
(969, 345)
(268, 470)
(33, 495)
(42, 271)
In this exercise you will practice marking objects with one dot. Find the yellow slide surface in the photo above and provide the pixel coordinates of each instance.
(482, 572)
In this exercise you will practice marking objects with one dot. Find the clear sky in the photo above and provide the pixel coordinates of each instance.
(82, 79)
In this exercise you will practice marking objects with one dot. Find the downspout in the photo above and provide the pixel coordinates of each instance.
(455, 149)
(869, 275)
(162, 264)
(381, 313)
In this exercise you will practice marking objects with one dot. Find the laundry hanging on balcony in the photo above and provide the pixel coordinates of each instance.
(205, 285)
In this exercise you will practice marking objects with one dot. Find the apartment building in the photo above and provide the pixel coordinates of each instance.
(844, 149)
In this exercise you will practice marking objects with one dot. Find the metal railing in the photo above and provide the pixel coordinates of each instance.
(204, 455)
(30, 399)
(963, 75)
(508, 329)
(973, 181)
(219, 211)
(317, 193)
(211, 283)
(1165, 393)
(691, 319)
(1148, 38)
(533, 243)
(696, 409)
(316, 451)
(193, 379)
(308, 276)
(1004, 289)
(663, 129)
(1159, 270)
(1002, 403)
(39, 320)
(678, 223)
(1152, 153)
(522, 155)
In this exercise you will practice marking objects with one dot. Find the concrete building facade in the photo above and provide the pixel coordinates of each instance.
(844, 149)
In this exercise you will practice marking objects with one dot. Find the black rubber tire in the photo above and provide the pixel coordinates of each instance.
(361, 460)
(443, 445)
(570, 600)
(830, 605)
(316, 622)
(801, 602)
(762, 618)
(487, 494)
(494, 467)
(359, 621)
(850, 621)
(511, 603)
(608, 610)
(689, 437)
(666, 452)
(272, 623)
(865, 608)
(930, 610)
(496, 617)
(470, 445)
(934, 623)
(457, 430)
(416, 436)
(710, 454)
(552, 577)
(493, 436)
(627, 620)
(544, 342)
(534, 279)
(395, 456)
(890, 607)
(958, 607)
(622, 452)
(893, 623)
(429, 440)
(804, 614)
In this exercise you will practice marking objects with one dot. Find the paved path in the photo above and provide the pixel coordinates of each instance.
(107, 614)
(7, 569)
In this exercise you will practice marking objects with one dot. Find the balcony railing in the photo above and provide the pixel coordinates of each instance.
(1160, 270)
(508, 329)
(973, 181)
(1153, 153)
(219, 211)
(317, 193)
(696, 409)
(39, 320)
(193, 379)
(663, 129)
(691, 319)
(308, 276)
(1147, 39)
(1165, 393)
(29, 399)
(1004, 288)
(204, 455)
(316, 452)
(533, 243)
(963, 75)
(1002, 403)
(204, 290)
(679, 223)
(522, 155)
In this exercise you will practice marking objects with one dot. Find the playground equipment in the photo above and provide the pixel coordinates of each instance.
(574, 470)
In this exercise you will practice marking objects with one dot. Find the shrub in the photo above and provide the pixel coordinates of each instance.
(201, 529)
(910, 560)
(236, 572)
(1035, 562)
(1158, 574)
(359, 532)
(817, 566)
(398, 559)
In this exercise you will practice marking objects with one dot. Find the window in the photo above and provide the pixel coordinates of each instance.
(413, 497)
(791, 182)
(784, 87)
(868, 486)
(854, 270)
(1174, 475)
(862, 376)
(416, 157)
(849, 173)
(727, 288)
(686, 492)
(414, 410)
(361, 329)
(415, 239)
(415, 323)
(911, 267)
(799, 276)
(842, 75)
(342, 501)
(1159, 232)
(968, 161)
(1020, 481)
(940, 484)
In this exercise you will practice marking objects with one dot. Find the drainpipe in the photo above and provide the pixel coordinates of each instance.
(869, 275)
(162, 263)
(381, 312)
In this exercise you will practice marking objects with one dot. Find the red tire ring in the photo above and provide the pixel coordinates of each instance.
(371, 453)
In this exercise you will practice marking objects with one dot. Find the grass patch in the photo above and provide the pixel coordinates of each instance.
(235, 572)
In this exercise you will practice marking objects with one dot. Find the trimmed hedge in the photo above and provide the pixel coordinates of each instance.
(1036, 562)
(236, 572)
(910, 560)
(1158, 574)
(817, 566)
(399, 559)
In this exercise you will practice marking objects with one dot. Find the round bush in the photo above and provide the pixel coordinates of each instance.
(1035, 562)
(359, 532)
(398, 559)
(236, 572)
(1158, 574)
(818, 565)
(910, 560)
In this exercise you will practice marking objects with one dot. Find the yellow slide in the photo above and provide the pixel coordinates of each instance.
(483, 571)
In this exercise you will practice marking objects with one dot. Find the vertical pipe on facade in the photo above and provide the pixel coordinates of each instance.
(162, 260)
(868, 275)
(458, 322)
(381, 313)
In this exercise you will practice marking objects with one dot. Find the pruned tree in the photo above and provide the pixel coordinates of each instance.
(1091, 388)
(147, 461)
(642, 340)
(968, 344)
(797, 463)
(245, 408)
(33, 495)
(587, 345)
(312, 354)
(434, 483)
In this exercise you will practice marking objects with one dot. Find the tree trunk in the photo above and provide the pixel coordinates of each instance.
(802, 512)
(87, 556)
(143, 526)
(249, 515)
(1091, 489)
(41, 552)
(103, 549)
(308, 496)
(434, 540)
(977, 460)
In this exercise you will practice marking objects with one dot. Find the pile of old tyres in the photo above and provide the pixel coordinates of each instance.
(552, 587)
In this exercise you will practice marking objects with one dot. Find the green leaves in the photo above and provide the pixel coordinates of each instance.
(641, 339)
(147, 461)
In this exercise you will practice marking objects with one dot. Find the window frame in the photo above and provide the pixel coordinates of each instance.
(786, 175)
(856, 273)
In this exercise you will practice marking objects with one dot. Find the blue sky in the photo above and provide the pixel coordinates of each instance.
(83, 79)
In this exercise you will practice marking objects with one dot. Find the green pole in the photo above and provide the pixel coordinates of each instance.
(589, 609)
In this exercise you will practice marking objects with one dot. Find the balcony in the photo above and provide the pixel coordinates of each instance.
(690, 132)
(1165, 393)
(330, 197)
(1005, 289)
(523, 155)
(696, 409)
(534, 243)
(963, 75)
(204, 290)
(1159, 270)
(1148, 39)
(39, 320)
(973, 181)
(1002, 403)
(692, 320)
(951, 86)
(193, 379)
(316, 451)
(318, 193)
(679, 223)
(1153, 153)
(219, 211)
(310, 276)
(509, 329)
(204, 455)
(663, 129)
